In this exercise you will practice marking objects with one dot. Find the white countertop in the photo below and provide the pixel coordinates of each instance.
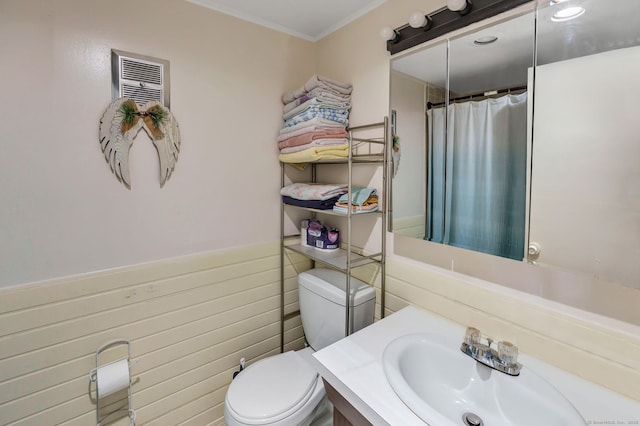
(353, 366)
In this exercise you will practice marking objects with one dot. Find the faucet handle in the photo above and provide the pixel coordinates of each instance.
(507, 352)
(472, 336)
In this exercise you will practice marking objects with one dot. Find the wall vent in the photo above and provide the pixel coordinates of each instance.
(138, 77)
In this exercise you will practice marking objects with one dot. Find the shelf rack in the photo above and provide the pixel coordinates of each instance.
(345, 258)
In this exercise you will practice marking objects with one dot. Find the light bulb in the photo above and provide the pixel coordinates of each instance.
(567, 14)
(457, 5)
(417, 19)
(387, 33)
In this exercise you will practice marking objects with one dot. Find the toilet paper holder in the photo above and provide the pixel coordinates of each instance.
(94, 377)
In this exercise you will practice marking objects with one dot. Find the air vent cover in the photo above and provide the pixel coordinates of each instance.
(138, 77)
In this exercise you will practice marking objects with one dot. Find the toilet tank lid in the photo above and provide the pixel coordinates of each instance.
(316, 280)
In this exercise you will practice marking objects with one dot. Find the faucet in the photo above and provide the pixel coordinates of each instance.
(503, 360)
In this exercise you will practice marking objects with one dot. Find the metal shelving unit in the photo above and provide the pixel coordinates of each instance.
(347, 257)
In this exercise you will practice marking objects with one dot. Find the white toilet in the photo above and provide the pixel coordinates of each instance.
(284, 390)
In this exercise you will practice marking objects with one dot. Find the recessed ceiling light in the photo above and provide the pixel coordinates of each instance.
(567, 14)
(485, 40)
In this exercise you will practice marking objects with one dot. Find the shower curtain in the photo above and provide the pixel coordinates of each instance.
(476, 196)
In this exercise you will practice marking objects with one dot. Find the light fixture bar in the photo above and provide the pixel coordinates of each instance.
(444, 21)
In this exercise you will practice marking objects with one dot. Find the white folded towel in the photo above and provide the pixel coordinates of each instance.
(318, 81)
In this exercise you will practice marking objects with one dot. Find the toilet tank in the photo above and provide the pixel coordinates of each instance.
(322, 305)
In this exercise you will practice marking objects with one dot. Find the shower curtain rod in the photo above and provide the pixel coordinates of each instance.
(478, 95)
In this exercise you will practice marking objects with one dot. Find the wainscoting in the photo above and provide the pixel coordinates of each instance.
(598, 349)
(410, 226)
(189, 319)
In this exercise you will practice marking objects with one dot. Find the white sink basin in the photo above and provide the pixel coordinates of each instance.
(441, 385)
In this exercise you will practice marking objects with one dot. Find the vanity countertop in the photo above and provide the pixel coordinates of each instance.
(353, 366)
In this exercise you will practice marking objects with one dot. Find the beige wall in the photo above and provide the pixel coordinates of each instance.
(189, 319)
(408, 99)
(357, 54)
(63, 212)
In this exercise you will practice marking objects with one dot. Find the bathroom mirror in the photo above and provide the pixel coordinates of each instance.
(461, 113)
(585, 184)
(569, 195)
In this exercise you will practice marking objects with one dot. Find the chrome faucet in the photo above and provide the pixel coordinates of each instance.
(503, 360)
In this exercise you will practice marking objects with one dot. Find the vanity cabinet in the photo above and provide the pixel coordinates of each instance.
(344, 414)
(367, 146)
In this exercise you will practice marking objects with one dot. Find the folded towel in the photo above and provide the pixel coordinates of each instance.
(308, 137)
(317, 153)
(312, 204)
(339, 116)
(317, 122)
(314, 128)
(317, 142)
(319, 92)
(310, 102)
(356, 209)
(373, 200)
(313, 191)
(359, 196)
(318, 81)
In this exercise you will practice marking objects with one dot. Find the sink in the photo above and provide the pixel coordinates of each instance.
(443, 387)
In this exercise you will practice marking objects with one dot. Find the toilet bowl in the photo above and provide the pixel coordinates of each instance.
(284, 389)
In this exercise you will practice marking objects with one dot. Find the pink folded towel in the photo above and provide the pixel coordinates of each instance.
(309, 137)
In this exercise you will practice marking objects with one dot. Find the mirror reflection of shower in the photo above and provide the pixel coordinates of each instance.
(471, 204)
(462, 116)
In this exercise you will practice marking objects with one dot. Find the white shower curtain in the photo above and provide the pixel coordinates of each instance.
(477, 182)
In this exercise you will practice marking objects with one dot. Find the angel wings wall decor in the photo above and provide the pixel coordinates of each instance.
(122, 122)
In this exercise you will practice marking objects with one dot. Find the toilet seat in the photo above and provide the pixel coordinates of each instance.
(272, 389)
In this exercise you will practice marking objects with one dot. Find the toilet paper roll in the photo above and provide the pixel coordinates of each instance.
(111, 378)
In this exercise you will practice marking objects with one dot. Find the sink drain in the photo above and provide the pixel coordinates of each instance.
(471, 419)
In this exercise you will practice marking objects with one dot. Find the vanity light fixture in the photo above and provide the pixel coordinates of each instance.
(461, 6)
(483, 41)
(457, 14)
(388, 34)
(418, 19)
(568, 13)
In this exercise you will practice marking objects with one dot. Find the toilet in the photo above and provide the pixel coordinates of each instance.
(284, 390)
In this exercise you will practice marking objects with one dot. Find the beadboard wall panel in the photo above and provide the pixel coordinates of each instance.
(189, 320)
(606, 354)
(410, 226)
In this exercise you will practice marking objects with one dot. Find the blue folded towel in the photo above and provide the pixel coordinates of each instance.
(358, 195)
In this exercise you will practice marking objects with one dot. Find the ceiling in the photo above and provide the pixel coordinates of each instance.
(308, 19)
